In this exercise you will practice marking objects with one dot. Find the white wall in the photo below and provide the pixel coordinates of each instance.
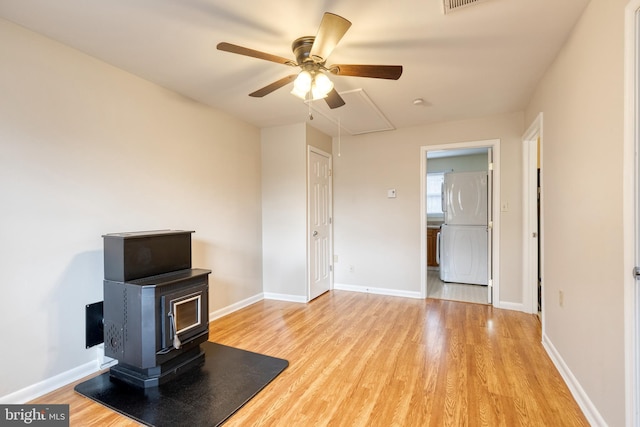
(284, 211)
(582, 99)
(380, 237)
(284, 208)
(86, 149)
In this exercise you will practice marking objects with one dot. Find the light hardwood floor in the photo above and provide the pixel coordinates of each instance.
(436, 288)
(370, 360)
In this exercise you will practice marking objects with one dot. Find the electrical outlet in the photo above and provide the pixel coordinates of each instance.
(561, 298)
(351, 268)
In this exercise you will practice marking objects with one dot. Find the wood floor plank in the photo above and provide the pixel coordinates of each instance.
(370, 360)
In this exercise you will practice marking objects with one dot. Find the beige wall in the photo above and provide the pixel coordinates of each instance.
(86, 149)
(284, 208)
(284, 211)
(317, 139)
(380, 237)
(581, 97)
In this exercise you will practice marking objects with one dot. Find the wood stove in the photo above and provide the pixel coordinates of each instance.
(156, 307)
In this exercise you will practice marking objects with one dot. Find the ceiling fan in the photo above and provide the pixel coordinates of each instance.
(311, 55)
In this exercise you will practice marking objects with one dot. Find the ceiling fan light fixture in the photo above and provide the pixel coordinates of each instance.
(322, 85)
(302, 85)
(316, 93)
(299, 93)
(314, 86)
(303, 82)
(311, 54)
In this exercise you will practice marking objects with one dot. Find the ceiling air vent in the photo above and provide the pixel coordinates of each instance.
(451, 5)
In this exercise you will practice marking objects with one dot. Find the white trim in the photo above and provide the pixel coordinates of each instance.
(285, 297)
(50, 384)
(630, 216)
(423, 223)
(514, 306)
(494, 144)
(529, 216)
(582, 399)
(377, 291)
(213, 315)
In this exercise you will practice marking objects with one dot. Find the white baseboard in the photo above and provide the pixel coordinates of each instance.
(213, 315)
(285, 297)
(378, 291)
(515, 306)
(101, 362)
(50, 384)
(578, 393)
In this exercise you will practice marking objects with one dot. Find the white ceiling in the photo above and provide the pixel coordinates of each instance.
(479, 60)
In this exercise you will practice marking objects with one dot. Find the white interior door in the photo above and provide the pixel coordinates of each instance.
(320, 247)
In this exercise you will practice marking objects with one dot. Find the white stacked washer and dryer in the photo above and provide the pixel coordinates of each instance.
(462, 241)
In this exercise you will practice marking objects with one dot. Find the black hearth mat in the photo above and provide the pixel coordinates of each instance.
(203, 396)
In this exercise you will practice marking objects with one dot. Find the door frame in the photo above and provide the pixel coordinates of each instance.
(316, 150)
(530, 260)
(494, 144)
(631, 211)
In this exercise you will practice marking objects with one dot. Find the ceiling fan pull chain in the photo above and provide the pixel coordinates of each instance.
(339, 139)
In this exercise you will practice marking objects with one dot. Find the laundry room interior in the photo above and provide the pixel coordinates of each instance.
(457, 200)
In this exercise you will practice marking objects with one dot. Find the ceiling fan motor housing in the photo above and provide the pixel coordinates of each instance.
(301, 48)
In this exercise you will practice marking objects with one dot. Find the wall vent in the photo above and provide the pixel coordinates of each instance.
(451, 5)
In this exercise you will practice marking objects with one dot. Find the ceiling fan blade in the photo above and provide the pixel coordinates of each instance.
(392, 72)
(273, 86)
(331, 30)
(228, 47)
(334, 100)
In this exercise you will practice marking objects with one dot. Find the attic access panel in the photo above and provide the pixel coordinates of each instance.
(358, 116)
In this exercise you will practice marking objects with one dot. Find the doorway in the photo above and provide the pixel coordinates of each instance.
(433, 285)
(533, 288)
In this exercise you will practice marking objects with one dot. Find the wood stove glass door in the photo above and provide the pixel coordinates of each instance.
(186, 313)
